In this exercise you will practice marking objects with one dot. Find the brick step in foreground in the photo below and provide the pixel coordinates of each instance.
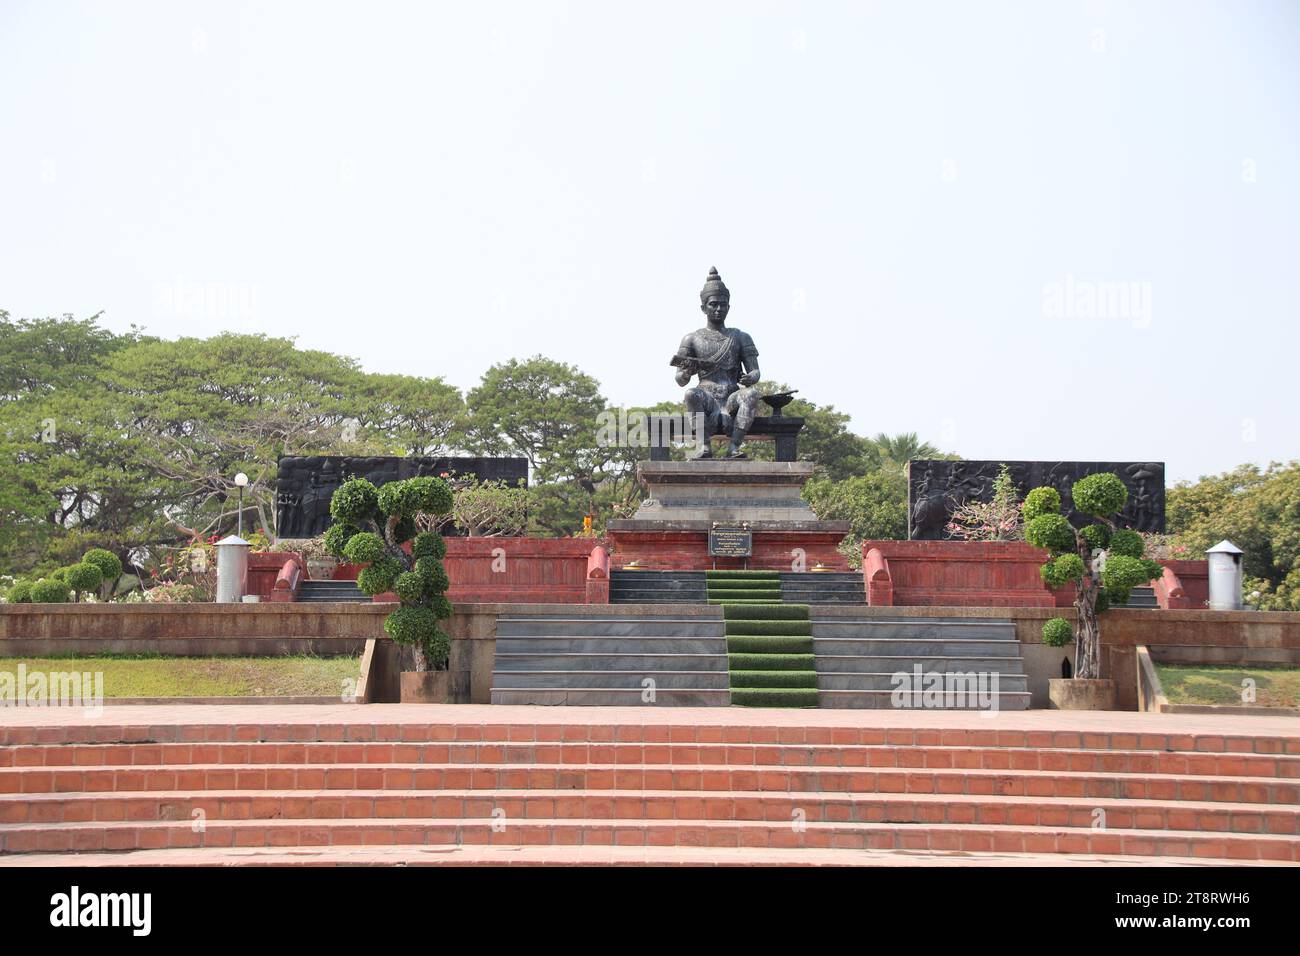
(648, 786)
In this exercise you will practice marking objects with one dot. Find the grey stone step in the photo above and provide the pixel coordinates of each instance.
(821, 597)
(887, 680)
(658, 597)
(667, 627)
(831, 663)
(635, 679)
(715, 661)
(883, 700)
(913, 647)
(924, 629)
(612, 697)
(611, 645)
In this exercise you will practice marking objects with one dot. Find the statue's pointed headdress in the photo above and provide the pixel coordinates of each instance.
(713, 285)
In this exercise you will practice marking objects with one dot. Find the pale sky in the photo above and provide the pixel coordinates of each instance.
(909, 201)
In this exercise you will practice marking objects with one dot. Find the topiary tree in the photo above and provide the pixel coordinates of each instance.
(370, 528)
(84, 578)
(50, 590)
(20, 593)
(109, 564)
(1101, 497)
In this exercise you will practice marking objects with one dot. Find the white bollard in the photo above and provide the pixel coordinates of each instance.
(232, 568)
(1225, 576)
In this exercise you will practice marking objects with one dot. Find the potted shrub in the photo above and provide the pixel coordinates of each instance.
(1100, 497)
(377, 528)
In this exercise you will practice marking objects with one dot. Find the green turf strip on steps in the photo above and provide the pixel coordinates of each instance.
(772, 662)
(765, 697)
(769, 644)
(779, 680)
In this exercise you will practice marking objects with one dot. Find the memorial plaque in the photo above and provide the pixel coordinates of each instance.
(731, 541)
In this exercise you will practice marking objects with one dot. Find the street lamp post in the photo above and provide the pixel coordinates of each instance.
(241, 481)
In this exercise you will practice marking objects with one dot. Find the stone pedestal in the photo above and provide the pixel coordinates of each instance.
(671, 528)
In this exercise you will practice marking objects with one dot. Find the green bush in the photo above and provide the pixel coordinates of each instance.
(404, 530)
(1041, 501)
(441, 606)
(59, 574)
(84, 578)
(337, 537)
(429, 544)
(411, 625)
(1100, 495)
(1102, 604)
(1062, 570)
(1127, 543)
(410, 587)
(1097, 536)
(1057, 632)
(109, 564)
(379, 577)
(365, 547)
(1123, 573)
(50, 590)
(434, 574)
(1052, 532)
(400, 499)
(20, 593)
(354, 502)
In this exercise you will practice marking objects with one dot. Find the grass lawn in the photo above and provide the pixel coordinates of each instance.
(156, 676)
(1192, 684)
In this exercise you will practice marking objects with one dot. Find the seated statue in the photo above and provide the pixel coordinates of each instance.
(726, 362)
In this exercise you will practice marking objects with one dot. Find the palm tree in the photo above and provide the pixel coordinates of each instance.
(898, 450)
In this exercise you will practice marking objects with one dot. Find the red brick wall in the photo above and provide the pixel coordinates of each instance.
(689, 550)
(524, 570)
(990, 574)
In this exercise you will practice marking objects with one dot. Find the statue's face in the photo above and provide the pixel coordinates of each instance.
(716, 307)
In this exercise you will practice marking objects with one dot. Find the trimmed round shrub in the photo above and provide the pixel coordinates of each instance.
(1116, 596)
(441, 606)
(1052, 532)
(404, 530)
(20, 593)
(1057, 632)
(435, 495)
(1100, 495)
(438, 649)
(1097, 536)
(109, 564)
(365, 547)
(84, 578)
(50, 590)
(411, 625)
(1123, 573)
(379, 577)
(429, 544)
(337, 537)
(1062, 570)
(1127, 543)
(61, 574)
(410, 587)
(1102, 604)
(435, 575)
(1041, 501)
(354, 501)
(399, 499)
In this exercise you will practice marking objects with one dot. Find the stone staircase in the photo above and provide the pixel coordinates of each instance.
(611, 658)
(1143, 596)
(325, 591)
(656, 587)
(858, 662)
(406, 785)
(690, 587)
